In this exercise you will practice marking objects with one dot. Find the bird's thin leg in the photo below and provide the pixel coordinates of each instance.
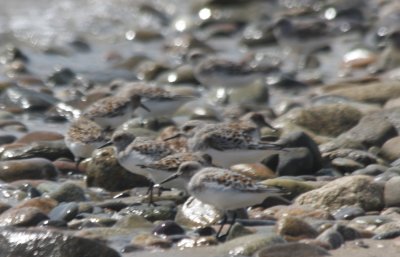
(232, 223)
(150, 194)
(223, 222)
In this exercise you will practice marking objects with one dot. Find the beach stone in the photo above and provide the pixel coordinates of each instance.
(247, 245)
(133, 221)
(256, 171)
(238, 230)
(194, 213)
(168, 228)
(369, 222)
(39, 136)
(295, 161)
(371, 170)
(348, 213)
(345, 165)
(50, 243)
(387, 175)
(360, 156)
(299, 211)
(376, 92)
(64, 211)
(33, 168)
(292, 186)
(196, 242)
(146, 240)
(287, 250)
(388, 227)
(356, 190)
(103, 170)
(390, 149)
(50, 150)
(68, 192)
(331, 237)
(4, 207)
(7, 139)
(53, 224)
(151, 213)
(373, 129)
(347, 233)
(325, 120)
(392, 192)
(387, 235)
(22, 217)
(292, 228)
(45, 205)
(254, 93)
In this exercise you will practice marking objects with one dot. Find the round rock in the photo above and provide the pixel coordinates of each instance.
(34, 168)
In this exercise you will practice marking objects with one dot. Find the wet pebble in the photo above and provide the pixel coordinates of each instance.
(348, 213)
(151, 213)
(332, 238)
(7, 139)
(195, 214)
(45, 205)
(68, 192)
(168, 228)
(50, 243)
(33, 168)
(64, 211)
(50, 150)
(22, 217)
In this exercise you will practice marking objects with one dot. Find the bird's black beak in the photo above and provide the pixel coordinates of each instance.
(172, 177)
(173, 136)
(144, 107)
(105, 145)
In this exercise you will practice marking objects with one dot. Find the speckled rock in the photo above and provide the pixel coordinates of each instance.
(287, 250)
(326, 120)
(194, 213)
(68, 192)
(34, 168)
(292, 228)
(22, 217)
(103, 170)
(50, 243)
(352, 190)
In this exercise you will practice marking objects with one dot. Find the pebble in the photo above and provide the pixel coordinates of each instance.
(50, 243)
(103, 170)
(292, 228)
(32, 168)
(22, 217)
(331, 237)
(151, 213)
(352, 190)
(168, 228)
(392, 191)
(68, 192)
(287, 250)
(64, 211)
(348, 213)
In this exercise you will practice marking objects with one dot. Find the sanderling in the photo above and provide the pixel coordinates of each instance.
(83, 137)
(112, 111)
(161, 101)
(133, 152)
(165, 167)
(222, 188)
(228, 146)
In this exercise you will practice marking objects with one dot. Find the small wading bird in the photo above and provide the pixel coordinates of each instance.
(222, 188)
